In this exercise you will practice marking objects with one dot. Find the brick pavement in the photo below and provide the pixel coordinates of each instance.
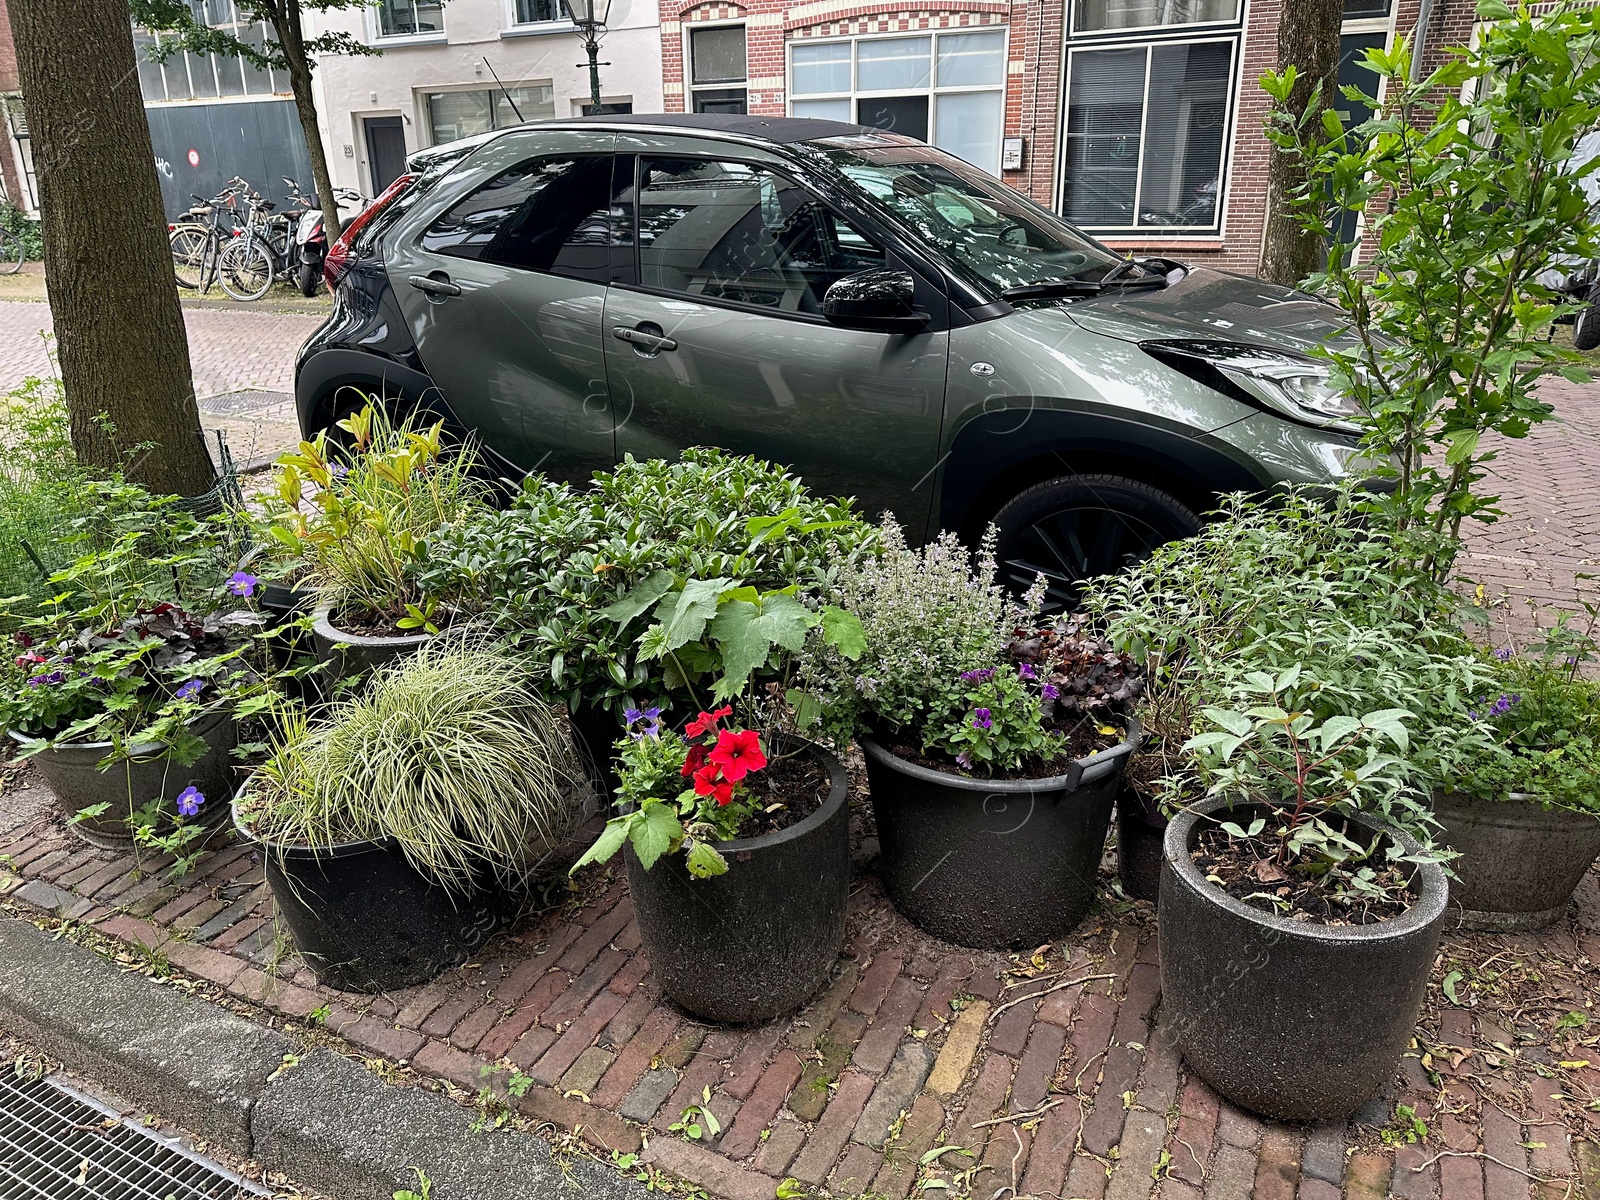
(1048, 1088)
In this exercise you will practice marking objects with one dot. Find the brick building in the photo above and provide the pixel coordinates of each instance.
(16, 161)
(1140, 120)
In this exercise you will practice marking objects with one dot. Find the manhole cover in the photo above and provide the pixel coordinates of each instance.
(58, 1144)
(247, 404)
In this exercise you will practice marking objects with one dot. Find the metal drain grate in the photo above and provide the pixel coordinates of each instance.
(58, 1144)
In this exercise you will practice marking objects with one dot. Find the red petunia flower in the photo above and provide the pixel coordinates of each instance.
(708, 781)
(706, 721)
(738, 753)
(695, 760)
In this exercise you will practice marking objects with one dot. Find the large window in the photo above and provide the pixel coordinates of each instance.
(186, 76)
(1090, 16)
(453, 115)
(946, 89)
(410, 18)
(1147, 135)
(717, 69)
(538, 12)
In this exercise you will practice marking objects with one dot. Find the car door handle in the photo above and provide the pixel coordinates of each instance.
(654, 343)
(434, 287)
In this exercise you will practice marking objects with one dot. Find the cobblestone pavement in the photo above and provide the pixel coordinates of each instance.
(243, 368)
(1049, 1074)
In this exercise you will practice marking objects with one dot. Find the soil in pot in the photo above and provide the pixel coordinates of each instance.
(74, 776)
(992, 863)
(1519, 862)
(364, 919)
(762, 939)
(1286, 1014)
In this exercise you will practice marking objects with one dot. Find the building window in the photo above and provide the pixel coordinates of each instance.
(1095, 16)
(410, 18)
(186, 76)
(947, 90)
(1146, 135)
(453, 115)
(539, 12)
(717, 69)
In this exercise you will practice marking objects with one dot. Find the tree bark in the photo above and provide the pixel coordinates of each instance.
(1308, 37)
(119, 329)
(286, 24)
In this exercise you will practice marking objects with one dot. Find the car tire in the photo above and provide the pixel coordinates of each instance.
(1073, 529)
(1586, 326)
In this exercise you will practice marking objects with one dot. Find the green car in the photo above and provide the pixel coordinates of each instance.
(890, 322)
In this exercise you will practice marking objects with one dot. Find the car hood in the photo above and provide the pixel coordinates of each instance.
(1216, 306)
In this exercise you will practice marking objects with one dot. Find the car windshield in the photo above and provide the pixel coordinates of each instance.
(995, 237)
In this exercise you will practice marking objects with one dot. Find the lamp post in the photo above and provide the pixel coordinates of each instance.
(590, 17)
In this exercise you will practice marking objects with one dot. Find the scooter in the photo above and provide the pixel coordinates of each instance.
(1576, 279)
(311, 238)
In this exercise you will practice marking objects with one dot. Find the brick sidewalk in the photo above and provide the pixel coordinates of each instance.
(1050, 1088)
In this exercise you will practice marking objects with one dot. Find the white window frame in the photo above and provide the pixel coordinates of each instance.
(690, 87)
(933, 91)
(1147, 31)
(1089, 45)
(376, 36)
(509, 25)
(425, 110)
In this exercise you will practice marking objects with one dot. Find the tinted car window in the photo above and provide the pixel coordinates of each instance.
(545, 214)
(734, 232)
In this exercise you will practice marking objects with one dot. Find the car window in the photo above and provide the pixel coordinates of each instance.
(548, 214)
(744, 234)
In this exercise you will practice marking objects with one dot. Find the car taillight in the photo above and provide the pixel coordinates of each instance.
(337, 261)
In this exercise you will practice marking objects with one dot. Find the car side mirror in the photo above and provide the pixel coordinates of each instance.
(878, 300)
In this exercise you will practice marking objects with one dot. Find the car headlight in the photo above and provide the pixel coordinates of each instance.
(1290, 385)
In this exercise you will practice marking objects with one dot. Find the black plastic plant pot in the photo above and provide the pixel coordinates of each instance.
(145, 774)
(596, 730)
(761, 940)
(1141, 830)
(349, 654)
(364, 919)
(991, 863)
(1520, 862)
(1294, 1020)
(282, 605)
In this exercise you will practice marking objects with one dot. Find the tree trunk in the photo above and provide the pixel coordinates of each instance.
(108, 269)
(291, 38)
(1308, 37)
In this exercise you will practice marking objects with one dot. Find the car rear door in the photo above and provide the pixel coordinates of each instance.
(713, 334)
(503, 284)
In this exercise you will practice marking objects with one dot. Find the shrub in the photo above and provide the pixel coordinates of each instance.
(25, 227)
(451, 752)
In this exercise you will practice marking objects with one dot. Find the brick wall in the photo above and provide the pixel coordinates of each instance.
(10, 81)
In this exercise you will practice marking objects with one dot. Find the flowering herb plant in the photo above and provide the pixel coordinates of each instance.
(1001, 725)
(681, 791)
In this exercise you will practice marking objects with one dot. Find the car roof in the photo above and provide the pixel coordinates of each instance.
(782, 130)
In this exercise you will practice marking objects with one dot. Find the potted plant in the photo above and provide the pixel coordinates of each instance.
(126, 687)
(1166, 722)
(392, 828)
(1299, 911)
(357, 517)
(736, 830)
(1525, 817)
(993, 745)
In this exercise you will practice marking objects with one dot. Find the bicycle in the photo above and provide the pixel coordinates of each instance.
(198, 241)
(262, 253)
(12, 252)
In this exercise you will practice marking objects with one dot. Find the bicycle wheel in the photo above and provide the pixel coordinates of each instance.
(12, 252)
(188, 244)
(245, 269)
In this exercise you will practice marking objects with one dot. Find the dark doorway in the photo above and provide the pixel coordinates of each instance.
(386, 150)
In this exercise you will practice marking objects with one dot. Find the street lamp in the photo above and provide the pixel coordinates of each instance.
(590, 17)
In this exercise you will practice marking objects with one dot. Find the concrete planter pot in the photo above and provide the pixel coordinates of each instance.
(1290, 1019)
(991, 863)
(1519, 864)
(761, 940)
(350, 654)
(363, 918)
(74, 776)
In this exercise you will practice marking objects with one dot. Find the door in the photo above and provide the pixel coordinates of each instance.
(386, 150)
(504, 292)
(717, 338)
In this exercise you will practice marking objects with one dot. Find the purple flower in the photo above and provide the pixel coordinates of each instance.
(190, 800)
(1051, 692)
(242, 583)
(190, 689)
(1502, 705)
(1026, 671)
(965, 758)
(1504, 653)
(338, 470)
(630, 715)
(981, 719)
(648, 720)
(982, 675)
(50, 680)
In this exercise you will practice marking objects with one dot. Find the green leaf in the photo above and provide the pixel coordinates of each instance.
(1463, 445)
(1450, 982)
(1335, 729)
(842, 630)
(655, 586)
(704, 861)
(653, 831)
(746, 633)
(807, 709)
(607, 844)
(683, 618)
(1235, 723)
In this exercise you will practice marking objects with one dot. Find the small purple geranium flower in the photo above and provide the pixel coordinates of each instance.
(982, 719)
(242, 583)
(982, 675)
(1026, 671)
(1504, 653)
(190, 800)
(190, 689)
(1050, 692)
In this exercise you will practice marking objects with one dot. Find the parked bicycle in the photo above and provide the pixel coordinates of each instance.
(199, 236)
(265, 251)
(12, 252)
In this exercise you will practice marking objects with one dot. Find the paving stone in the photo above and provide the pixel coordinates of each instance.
(576, 1039)
(1009, 1034)
(960, 1045)
(1412, 1180)
(649, 1093)
(584, 1075)
(810, 1097)
(1137, 1154)
(762, 1105)
(710, 1169)
(682, 1048)
(983, 1102)
(1053, 1146)
(626, 1023)
(1233, 1173)
(694, 1084)
(46, 896)
(778, 1151)
(1322, 1156)
(446, 1016)
(889, 1025)
(817, 1016)
(634, 972)
(1502, 1139)
(833, 1130)
(1278, 1165)
(530, 1047)
(603, 1130)
(856, 1171)
(1366, 1177)
(372, 1034)
(947, 985)
(583, 951)
(899, 1087)
(446, 1062)
(634, 1058)
(1037, 1067)
(1237, 1127)
(584, 988)
(902, 1157)
(470, 1030)
(1086, 1179)
(1091, 1033)
(749, 1065)
(1103, 1126)
(876, 981)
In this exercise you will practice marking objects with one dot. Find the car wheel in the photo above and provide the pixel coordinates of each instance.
(1071, 530)
(1586, 327)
